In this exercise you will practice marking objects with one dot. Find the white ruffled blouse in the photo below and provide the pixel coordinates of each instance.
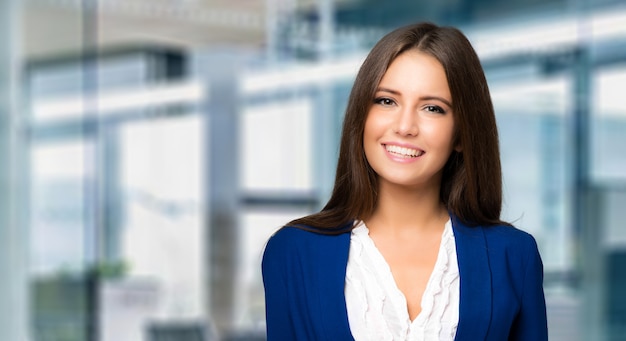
(377, 309)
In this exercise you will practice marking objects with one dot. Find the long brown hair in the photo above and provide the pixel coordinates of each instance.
(471, 187)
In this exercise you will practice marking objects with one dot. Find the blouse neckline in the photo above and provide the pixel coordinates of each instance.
(373, 294)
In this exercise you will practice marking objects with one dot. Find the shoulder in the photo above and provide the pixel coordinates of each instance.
(290, 241)
(498, 236)
(291, 237)
(509, 236)
(502, 242)
(512, 247)
(513, 242)
(298, 255)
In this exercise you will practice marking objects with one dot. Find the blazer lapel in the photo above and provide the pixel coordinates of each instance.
(475, 276)
(331, 264)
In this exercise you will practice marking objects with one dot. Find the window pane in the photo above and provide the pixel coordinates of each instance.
(276, 148)
(57, 240)
(162, 186)
(57, 208)
(161, 238)
(608, 160)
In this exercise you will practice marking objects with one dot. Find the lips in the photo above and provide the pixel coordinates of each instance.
(404, 152)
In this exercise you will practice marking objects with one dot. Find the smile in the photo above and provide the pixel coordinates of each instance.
(403, 151)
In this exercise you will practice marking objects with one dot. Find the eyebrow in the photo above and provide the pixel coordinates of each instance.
(424, 98)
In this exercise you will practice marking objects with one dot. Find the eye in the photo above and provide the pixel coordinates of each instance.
(435, 108)
(384, 101)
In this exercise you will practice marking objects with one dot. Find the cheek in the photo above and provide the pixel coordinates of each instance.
(440, 134)
(371, 135)
(371, 128)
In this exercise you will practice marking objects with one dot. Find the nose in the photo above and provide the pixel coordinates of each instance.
(406, 123)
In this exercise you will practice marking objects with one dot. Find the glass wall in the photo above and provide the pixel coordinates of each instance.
(154, 146)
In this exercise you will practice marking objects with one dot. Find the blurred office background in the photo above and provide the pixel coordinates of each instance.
(148, 148)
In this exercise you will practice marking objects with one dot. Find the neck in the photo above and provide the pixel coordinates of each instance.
(400, 208)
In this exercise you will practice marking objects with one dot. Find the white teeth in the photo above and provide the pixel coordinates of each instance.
(403, 151)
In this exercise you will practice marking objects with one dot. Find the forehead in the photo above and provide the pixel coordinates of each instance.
(415, 72)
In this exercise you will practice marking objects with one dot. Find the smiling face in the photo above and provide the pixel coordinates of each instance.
(409, 130)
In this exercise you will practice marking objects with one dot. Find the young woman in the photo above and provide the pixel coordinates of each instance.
(410, 245)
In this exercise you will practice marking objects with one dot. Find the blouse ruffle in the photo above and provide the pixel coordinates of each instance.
(377, 309)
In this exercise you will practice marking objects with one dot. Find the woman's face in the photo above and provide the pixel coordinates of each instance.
(409, 129)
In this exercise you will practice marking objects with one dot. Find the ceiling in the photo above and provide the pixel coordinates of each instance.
(58, 27)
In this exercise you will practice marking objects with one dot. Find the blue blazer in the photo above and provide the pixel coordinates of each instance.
(501, 281)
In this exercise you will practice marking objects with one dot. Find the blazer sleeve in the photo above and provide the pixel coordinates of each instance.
(279, 325)
(531, 321)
